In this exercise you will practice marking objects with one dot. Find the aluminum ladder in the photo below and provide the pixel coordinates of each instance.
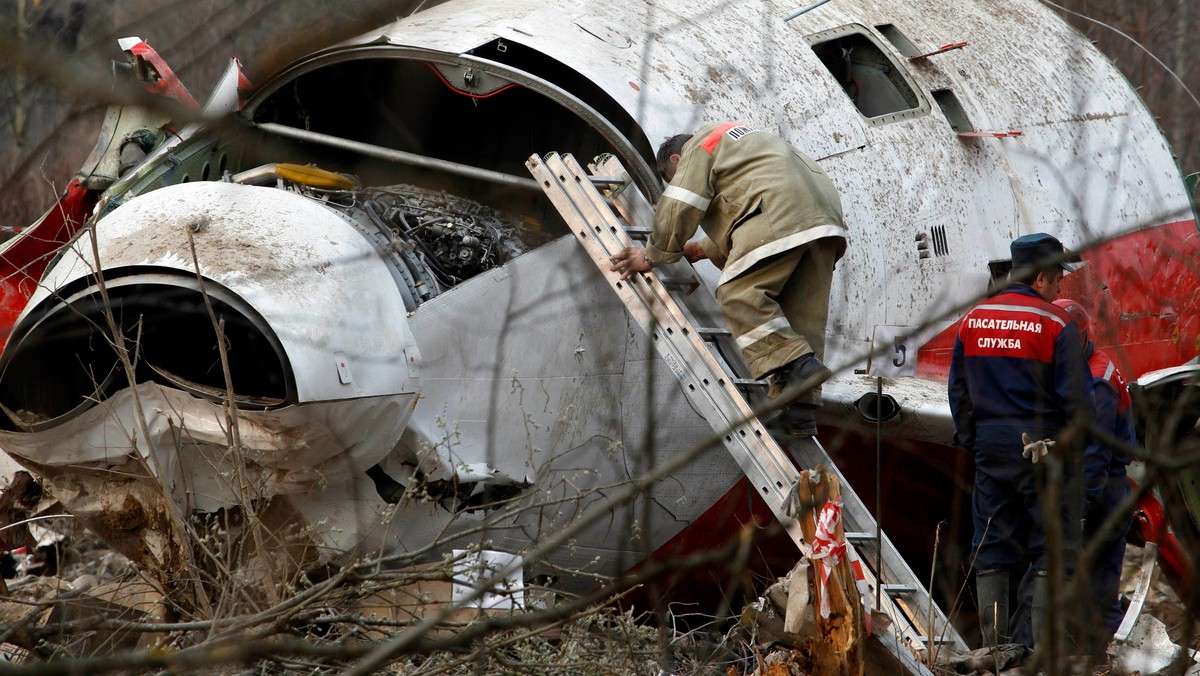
(709, 378)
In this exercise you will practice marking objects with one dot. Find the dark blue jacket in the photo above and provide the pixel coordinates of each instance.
(1018, 363)
(1113, 415)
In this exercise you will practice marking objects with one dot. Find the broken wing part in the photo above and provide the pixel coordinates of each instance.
(226, 96)
(154, 73)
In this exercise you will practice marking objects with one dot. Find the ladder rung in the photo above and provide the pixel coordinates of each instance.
(897, 589)
(606, 180)
(638, 232)
(676, 284)
(941, 640)
(710, 332)
(749, 382)
(860, 537)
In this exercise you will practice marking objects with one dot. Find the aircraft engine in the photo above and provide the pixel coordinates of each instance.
(289, 301)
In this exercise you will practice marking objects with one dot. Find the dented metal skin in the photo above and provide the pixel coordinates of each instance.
(528, 379)
(333, 388)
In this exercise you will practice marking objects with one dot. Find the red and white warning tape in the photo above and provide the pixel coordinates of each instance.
(827, 552)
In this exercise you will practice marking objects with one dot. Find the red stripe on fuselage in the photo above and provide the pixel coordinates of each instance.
(1143, 293)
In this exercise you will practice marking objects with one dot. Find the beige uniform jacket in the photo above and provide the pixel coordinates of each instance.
(756, 195)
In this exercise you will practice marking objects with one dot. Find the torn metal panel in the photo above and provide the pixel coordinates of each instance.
(533, 372)
(1148, 649)
(1141, 643)
(123, 503)
(124, 481)
(284, 451)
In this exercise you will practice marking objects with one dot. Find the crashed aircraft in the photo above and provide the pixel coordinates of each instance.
(344, 304)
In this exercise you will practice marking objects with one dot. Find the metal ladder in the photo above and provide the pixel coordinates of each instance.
(604, 226)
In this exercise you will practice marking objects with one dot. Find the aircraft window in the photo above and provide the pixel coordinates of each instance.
(901, 42)
(877, 84)
(955, 115)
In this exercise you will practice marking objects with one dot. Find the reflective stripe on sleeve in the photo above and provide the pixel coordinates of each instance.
(687, 197)
(1022, 308)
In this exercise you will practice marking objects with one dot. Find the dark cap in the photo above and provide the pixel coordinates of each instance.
(1040, 250)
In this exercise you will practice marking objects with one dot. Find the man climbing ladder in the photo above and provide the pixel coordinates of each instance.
(773, 221)
(711, 384)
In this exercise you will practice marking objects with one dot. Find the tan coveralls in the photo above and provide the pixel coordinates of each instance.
(773, 221)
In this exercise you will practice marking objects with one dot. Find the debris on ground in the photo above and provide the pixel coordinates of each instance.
(985, 660)
(76, 599)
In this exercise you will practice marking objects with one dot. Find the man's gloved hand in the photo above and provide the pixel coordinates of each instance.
(1035, 450)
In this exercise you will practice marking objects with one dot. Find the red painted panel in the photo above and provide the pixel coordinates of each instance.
(25, 258)
(1143, 293)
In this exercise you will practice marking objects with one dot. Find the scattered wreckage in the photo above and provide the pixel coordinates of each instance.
(400, 353)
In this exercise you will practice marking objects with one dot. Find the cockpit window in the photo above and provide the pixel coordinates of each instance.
(877, 84)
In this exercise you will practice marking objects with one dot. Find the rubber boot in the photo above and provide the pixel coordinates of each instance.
(1040, 610)
(991, 587)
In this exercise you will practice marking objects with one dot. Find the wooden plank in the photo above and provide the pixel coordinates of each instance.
(838, 647)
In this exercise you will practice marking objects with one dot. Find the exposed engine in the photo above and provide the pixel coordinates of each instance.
(459, 238)
(439, 239)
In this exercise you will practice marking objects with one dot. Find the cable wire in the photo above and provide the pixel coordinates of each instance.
(1131, 39)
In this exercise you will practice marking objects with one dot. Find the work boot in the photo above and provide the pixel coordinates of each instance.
(795, 372)
(991, 587)
(797, 419)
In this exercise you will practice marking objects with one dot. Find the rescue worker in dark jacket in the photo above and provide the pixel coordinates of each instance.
(1017, 368)
(773, 221)
(1114, 416)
